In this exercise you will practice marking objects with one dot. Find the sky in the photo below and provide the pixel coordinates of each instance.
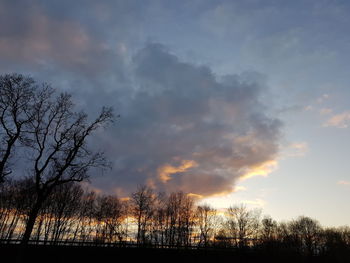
(241, 101)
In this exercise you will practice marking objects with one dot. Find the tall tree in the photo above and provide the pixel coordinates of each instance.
(58, 146)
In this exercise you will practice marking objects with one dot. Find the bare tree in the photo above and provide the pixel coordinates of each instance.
(158, 222)
(186, 219)
(268, 229)
(179, 219)
(206, 221)
(57, 146)
(143, 201)
(85, 221)
(16, 101)
(66, 201)
(243, 224)
(15, 202)
(335, 242)
(307, 232)
(109, 216)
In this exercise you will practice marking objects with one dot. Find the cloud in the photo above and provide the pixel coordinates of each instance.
(322, 98)
(340, 120)
(326, 111)
(183, 128)
(165, 172)
(300, 147)
(346, 183)
(195, 196)
(263, 169)
(309, 108)
(297, 149)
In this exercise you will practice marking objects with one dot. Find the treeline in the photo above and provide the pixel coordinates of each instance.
(74, 214)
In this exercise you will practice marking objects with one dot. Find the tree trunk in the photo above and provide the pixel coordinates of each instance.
(31, 221)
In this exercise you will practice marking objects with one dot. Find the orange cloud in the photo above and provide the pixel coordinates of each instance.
(263, 169)
(165, 172)
(195, 196)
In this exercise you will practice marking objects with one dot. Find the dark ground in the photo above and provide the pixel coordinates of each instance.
(58, 254)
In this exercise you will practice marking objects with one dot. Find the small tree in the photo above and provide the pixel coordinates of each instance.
(57, 146)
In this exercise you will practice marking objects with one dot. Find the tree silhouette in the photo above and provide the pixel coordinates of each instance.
(206, 221)
(56, 143)
(306, 232)
(243, 224)
(142, 209)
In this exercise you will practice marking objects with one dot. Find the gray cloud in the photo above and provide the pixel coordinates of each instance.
(181, 118)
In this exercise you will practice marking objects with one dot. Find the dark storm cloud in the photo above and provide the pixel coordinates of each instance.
(181, 126)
